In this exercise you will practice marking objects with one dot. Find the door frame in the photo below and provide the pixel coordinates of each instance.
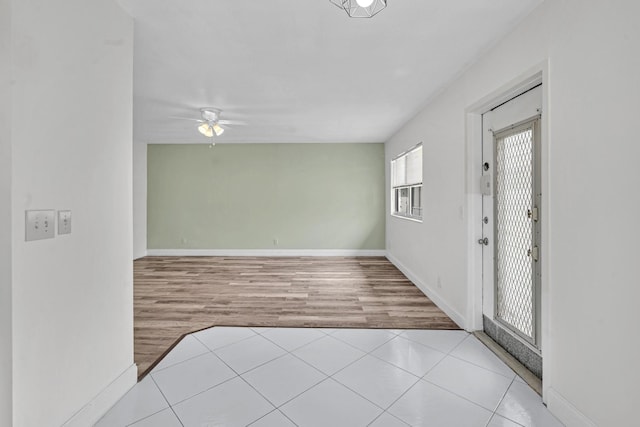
(538, 74)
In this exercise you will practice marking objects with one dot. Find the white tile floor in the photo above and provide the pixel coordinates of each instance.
(283, 377)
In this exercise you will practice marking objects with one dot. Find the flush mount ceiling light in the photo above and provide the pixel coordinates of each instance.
(360, 8)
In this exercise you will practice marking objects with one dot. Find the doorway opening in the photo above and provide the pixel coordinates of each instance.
(511, 226)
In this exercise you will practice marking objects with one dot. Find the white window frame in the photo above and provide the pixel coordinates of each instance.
(414, 185)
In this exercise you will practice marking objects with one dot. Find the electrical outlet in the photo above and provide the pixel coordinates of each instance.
(64, 222)
(39, 225)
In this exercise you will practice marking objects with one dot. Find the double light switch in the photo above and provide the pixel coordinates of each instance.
(40, 224)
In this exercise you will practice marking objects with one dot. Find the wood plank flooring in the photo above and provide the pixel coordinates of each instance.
(174, 296)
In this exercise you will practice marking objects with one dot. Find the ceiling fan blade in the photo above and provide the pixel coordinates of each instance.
(187, 118)
(231, 122)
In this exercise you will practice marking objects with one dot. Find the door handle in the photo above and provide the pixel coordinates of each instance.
(484, 241)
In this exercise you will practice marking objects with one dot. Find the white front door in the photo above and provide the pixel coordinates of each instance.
(511, 216)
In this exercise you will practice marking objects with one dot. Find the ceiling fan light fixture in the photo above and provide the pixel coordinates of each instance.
(217, 129)
(364, 3)
(206, 129)
(361, 8)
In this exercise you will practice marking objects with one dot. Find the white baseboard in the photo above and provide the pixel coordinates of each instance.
(564, 410)
(266, 252)
(99, 405)
(429, 292)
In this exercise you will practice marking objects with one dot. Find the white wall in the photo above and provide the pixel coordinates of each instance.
(593, 176)
(72, 131)
(139, 199)
(5, 214)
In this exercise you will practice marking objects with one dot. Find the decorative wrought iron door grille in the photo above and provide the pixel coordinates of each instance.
(514, 230)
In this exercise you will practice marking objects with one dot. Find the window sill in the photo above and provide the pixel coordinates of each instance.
(407, 218)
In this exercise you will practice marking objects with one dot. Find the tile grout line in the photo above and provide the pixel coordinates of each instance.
(500, 402)
(287, 352)
(427, 345)
(442, 388)
(358, 394)
(155, 370)
(322, 372)
(351, 363)
(400, 397)
(367, 352)
(269, 413)
(484, 346)
(482, 367)
(257, 366)
(391, 415)
(204, 391)
(289, 400)
(488, 370)
(360, 358)
(299, 347)
(405, 370)
(287, 417)
(240, 376)
(327, 376)
(301, 393)
(305, 362)
(167, 400)
(275, 408)
(255, 334)
(210, 388)
(418, 378)
(456, 394)
(411, 373)
(459, 344)
(334, 379)
(148, 416)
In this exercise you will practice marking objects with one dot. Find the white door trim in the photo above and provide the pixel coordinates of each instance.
(473, 152)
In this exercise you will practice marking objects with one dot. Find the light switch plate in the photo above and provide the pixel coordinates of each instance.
(64, 222)
(39, 224)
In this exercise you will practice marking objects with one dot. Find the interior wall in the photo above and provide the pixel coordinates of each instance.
(6, 344)
(266, 196)
(72, 127)
(139, 199)
(593, 178)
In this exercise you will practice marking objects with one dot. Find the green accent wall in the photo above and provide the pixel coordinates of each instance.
(247, 196)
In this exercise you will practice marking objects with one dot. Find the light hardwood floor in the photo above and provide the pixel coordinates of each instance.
(174, 296)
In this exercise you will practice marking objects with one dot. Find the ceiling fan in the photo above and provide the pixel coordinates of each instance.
(211, 124)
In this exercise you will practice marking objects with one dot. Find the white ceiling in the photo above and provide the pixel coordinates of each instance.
(301, 70)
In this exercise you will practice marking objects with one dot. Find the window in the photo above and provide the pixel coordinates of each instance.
(406, 184)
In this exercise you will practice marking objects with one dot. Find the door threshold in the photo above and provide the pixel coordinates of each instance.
(529, 377)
